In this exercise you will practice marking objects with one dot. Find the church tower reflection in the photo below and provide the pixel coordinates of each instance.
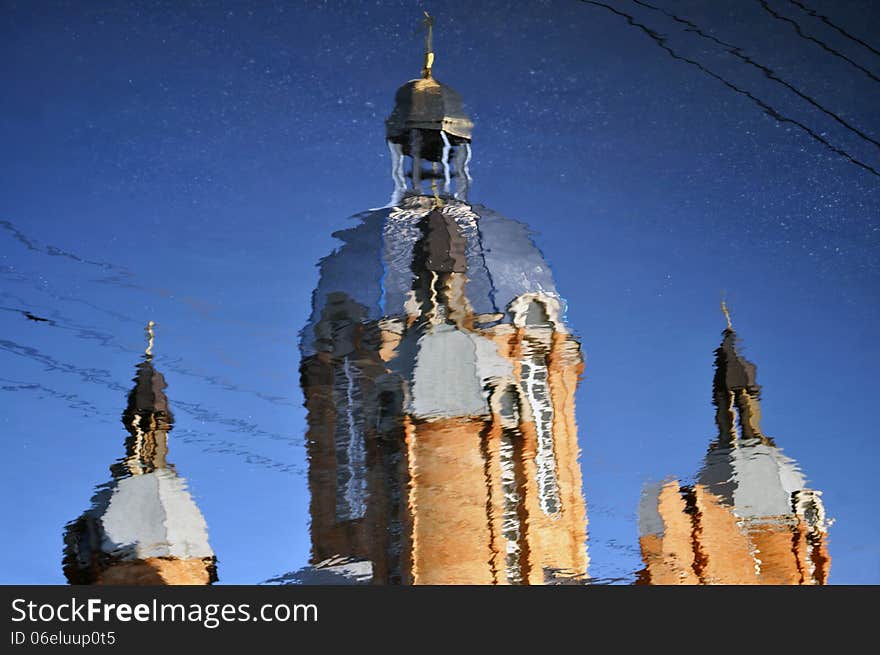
(143, 527)
(439, 378)
(749, 518)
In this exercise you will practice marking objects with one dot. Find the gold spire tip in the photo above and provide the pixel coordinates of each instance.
(429, 45)
(726, 313)
(150, 337)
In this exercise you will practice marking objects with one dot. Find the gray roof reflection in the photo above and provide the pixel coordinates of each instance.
(373, 266)
(650, 521)
(333, 571)
(465, 362)
(754, 478)
(515, 263)
(152, 515)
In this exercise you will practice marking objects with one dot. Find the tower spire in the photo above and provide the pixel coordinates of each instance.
(143, 526)
(428, 124)
(735, 390)
(147, 418)
(429, 45)
(726, 313)
(150, 337)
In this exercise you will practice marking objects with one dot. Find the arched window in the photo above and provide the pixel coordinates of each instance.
(537, 314)
(511, 528)
(351, 474)
(535, 384)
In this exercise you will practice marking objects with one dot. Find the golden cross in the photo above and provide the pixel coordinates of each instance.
(429, 45)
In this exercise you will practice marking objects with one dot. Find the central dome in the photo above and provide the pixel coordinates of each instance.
(370, 277)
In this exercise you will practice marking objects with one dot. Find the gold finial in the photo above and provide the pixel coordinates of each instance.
(429, 45)
(726, 313)
(150, 337)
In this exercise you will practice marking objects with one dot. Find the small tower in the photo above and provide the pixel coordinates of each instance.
(429, 135)
(143, 527)
(749, 518)
(439, 376)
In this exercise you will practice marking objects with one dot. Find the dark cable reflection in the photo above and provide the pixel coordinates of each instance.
(74, 402)
(768, 109)
(116, 275)
(737, 52)
(195, 410)
(52, 251)
(439, 378)
(106, 339)
(834, 26)
(208, 444)
(143, 527)
(749, 518)
(95, 375)
(827, 48)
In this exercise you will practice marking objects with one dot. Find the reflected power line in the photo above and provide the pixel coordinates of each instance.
(768, 109)
(737, 52)
(827, 21)
(821, 44)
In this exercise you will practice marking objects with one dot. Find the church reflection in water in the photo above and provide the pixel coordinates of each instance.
(439, 377)
(749, 518)
(143, 526)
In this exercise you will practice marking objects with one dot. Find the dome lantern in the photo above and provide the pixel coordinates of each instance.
(428, 124)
